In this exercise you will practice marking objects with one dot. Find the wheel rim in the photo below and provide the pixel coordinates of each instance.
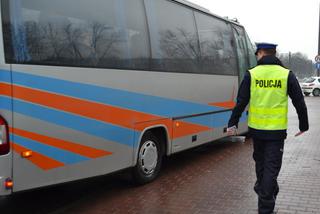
(148, 157)
(316, 92)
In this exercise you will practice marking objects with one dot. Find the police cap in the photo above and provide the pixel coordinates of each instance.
(264, 45)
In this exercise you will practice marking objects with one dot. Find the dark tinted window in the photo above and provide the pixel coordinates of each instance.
(95, 33)
(242, 50)
(251, 52)
(217, 46)
(174, 40)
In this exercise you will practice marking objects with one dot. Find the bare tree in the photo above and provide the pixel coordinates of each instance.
(180, 50)
(73, 39)
(103, 43)
(35, 40)
(180, 44)
(55, 40)
(298, 63)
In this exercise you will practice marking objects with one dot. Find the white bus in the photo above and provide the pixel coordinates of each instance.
(90, 87)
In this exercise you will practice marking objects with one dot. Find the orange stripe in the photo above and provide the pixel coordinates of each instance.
(227, 104)
(180, 128)
(183, 129)
(102, 112)
(38, 159)
(5, 89)
(62, 144)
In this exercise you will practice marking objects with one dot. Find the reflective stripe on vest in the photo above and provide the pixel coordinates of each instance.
(268, 98)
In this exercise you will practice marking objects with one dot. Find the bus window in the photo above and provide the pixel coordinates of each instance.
(242, 50)
(251, 52)
(174, 41)
(96, 33)
(217, 47)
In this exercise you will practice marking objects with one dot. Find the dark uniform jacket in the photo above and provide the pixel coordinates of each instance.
(294, 92)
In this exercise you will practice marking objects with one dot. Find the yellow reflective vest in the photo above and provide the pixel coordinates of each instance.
(268, 98)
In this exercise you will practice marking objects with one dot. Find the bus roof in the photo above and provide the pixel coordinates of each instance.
(205, 10)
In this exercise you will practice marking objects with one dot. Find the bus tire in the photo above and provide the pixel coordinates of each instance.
(149, 160)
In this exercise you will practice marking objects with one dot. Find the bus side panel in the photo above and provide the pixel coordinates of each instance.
(69, 136)
(6, 113)
(53, 110)
(210, 127)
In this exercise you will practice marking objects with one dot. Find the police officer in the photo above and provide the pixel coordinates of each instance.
(266, 88)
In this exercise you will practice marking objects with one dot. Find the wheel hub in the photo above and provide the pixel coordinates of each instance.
(148, 157)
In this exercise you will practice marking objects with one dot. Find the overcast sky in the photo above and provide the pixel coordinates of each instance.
(293, 24)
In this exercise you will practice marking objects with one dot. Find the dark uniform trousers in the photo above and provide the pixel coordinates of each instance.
(268, 159)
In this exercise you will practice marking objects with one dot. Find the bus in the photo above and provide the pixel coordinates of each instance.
(93, 87)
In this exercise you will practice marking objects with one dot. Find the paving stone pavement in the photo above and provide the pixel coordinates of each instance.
(216, 178)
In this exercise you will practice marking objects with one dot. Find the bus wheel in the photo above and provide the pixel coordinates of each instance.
(149, 159)
(316, 92)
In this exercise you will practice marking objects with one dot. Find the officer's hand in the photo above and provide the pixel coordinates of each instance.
(298, 134)
(231, 131)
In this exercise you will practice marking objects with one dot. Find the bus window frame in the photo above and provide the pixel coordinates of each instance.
(10, 60)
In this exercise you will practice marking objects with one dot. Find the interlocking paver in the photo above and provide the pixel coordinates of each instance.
(217, 178)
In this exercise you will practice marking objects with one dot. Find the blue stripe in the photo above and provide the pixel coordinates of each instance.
(244, 117)
(144, 103)
(86, 125)
(160, 106)
(49, 151)
(215, 120)
(221, 120)
(5, 103)
(5, 76)
(205, 120)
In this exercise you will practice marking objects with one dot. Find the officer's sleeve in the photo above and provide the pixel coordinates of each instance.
(242, 100)
(295, 93)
